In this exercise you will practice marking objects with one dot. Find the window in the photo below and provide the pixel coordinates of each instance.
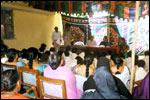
(7, 27)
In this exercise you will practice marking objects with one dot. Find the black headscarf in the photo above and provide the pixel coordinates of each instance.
(105, 83)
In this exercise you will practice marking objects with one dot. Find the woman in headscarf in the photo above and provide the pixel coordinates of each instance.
(105, 84)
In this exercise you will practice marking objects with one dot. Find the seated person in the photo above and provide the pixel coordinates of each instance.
(105, 42)
(10, 85)
(57, 70)
(34, 64)
(118, 70)
(124, 47)
(86, 69)
(33, 60)
(12, 55)
(91, 42)
(142, 90)
(102, 85)
(79, 42)
(140, 71)
(24, 56)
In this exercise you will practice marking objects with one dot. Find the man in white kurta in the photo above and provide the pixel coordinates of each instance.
(91, 42)
(56, 38)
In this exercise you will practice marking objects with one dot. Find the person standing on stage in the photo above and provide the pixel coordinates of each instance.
(105, 42)
(56, 38)
(123, 47)
(67, 36)
(91, 42)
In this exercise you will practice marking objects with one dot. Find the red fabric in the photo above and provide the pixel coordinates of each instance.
(99, 6)
(59, 5)
(83, 7)
(126, 12)
(112, 8)
(70, 6)
(19, 96)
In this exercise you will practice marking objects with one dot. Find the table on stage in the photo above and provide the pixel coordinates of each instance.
(113, 49)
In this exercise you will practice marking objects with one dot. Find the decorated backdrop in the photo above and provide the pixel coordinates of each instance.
(85, 27)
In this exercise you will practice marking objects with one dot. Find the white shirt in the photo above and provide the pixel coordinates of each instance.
(91, 43)
(56, 36)
(140, 74)
(79, 43)
(124, 76)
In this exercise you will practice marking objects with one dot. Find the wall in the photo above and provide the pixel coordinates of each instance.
(32, 29)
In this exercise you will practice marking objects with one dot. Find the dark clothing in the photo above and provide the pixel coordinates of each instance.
(105, 43)
(89, 84)
(122, 88)
(106, 87)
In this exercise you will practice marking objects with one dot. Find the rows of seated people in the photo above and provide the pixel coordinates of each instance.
(87, 75)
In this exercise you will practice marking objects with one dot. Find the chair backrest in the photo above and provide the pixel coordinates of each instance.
(29, 77)
(5, 67)
(52, 88)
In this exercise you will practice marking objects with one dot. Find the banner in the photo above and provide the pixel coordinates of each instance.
(98, 27)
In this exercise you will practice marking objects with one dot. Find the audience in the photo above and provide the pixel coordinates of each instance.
(76, 68)
(105, 84)
(119, 70)
(10, 85)
(57, 70)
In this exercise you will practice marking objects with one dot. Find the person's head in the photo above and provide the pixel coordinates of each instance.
(24, 54)
(136, 59)
(96, 54)
(52, 49)
(116, 60)
(88, 60)
(129, 54)
(141, 63)
(60, 52)
(103, 61)
(12, 55)
(56, 29)
(105, 38)
(68, 48)
(79, 60)
(33, 55)
(4, 49)
(91, 38)
(66, 53)
(42, 48)
(55, 60)
(74, 50)
(122, 40)
(146, 53)
(10, 81)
